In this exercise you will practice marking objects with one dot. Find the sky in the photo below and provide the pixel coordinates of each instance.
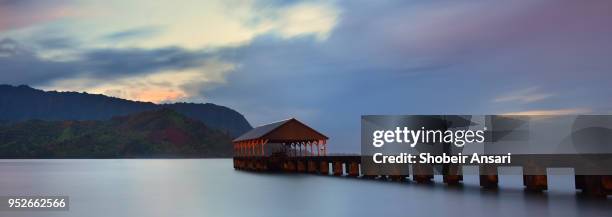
(323, 62)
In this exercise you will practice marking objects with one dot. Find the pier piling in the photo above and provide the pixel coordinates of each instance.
(312, 166)
(452, 174)
(353, 169)
(337, 168)
(594, 185)
(488, 177)
(324, 167)
(533, 180)
(301, 166)
(422, 173)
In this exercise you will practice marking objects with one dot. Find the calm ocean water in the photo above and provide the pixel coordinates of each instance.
(197, 187)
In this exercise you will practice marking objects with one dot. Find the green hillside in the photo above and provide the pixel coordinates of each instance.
(158, 133)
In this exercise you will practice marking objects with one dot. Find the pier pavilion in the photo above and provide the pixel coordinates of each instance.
(289, 137)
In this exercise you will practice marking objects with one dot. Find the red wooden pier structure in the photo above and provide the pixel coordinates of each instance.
(291, 146)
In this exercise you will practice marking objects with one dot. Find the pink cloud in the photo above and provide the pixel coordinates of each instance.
(21, 15)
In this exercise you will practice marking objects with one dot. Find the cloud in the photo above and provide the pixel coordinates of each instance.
(423, 57)
(21, 65)
(158, 86)
(136, 33)
(551, 112)
(327, 63)
(156, 75)
(102, 63)
(527, 95)
(193, 24)
(303, 19)
(56, 42)
(22, 14)
(110, 62)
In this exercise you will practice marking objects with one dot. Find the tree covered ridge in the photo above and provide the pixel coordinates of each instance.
(158, 133)
(23, 103)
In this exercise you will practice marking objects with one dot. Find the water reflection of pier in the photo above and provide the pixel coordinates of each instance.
(290, 146)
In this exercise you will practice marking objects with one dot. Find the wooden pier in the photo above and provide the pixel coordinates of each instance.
(350, 166)
(290, 146)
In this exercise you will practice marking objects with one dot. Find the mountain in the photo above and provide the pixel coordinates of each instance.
(158, 133)
(21, 103)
